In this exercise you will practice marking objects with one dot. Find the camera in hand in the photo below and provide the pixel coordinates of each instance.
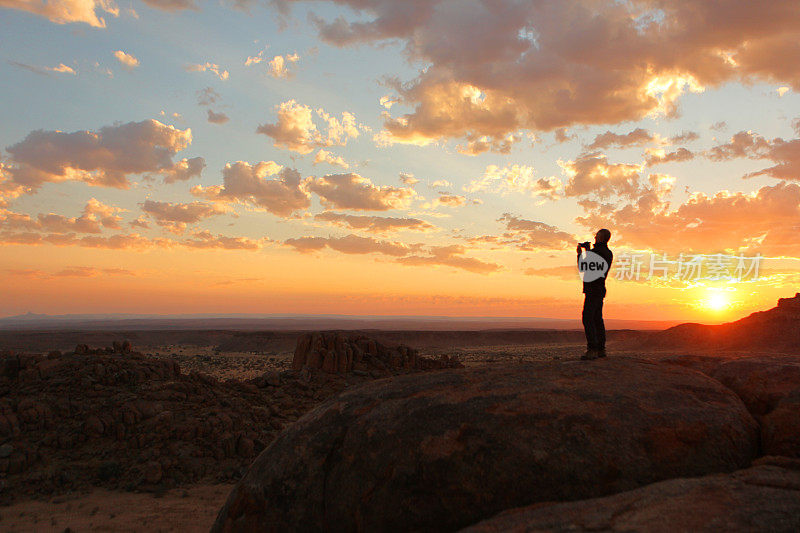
(587, 245)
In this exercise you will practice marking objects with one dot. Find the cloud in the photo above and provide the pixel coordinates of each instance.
(206, 240)
(278, 65)
(548, 65)
(351, 191)
(171, 5)
(207, 96)
(323, 156)
(176, 216)
(184, 170)
(448, 200)
(248, 184)
(67, 11)
(408, 179)
(764, 220)
(451, 256)
(217, 118)
(350, 244)
(656, 156)
(45, 71)
(211, 67)
(742, 144)
(107, 157)
(96, 216)
(533, 235)
(516, 179)
(637, 137)
(295, 129)
(592, 174)
(478, 144)
(126, 60)
(787, 156)
(374, 224)
(405, 254)
(112, 242)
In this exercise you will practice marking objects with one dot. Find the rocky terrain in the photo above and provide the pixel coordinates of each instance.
(115, 418)
(617, 441)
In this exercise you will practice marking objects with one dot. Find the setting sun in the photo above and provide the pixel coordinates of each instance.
(717, 301)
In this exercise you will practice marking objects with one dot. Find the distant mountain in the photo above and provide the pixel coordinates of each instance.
(774, 330)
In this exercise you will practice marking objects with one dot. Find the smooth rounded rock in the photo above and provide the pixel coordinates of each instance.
(763, 498)
(444, 450)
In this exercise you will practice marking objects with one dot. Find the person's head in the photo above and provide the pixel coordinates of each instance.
(603, 236)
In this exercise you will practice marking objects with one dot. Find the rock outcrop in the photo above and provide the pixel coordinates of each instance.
(111, 417)
(341, 352)
(765, 497)
(444, 450)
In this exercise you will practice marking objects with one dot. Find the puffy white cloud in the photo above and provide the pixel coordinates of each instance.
(66, 11)
(295, 128)
(278, 65)
(248, 184)
(324, 156)
(352, 191)
(516, 179)
(96, 216)
(408, 179)
(128, 61)
(107, 157)
(592, 174)
(176, 216)
(534, 235)
(211, 67)
(184, 170)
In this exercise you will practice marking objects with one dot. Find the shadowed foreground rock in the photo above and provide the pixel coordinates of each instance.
(761, 498)
(444, 450)
(770, 388)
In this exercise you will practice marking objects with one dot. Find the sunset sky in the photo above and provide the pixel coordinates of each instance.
(385, 157)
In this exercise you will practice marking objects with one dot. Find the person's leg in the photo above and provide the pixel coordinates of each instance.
(589, 322)
(600, 328)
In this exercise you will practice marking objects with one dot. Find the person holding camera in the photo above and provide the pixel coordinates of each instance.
(594, 293)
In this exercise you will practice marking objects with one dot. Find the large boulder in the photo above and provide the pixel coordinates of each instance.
(761, 382)
(770, 388)
(762, 498)
(780, 429)
(443, 450)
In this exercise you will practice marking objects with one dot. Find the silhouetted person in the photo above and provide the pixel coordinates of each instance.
(594, 292)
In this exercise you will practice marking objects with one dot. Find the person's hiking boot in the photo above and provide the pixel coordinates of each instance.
(601, 353)
(590, 355)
